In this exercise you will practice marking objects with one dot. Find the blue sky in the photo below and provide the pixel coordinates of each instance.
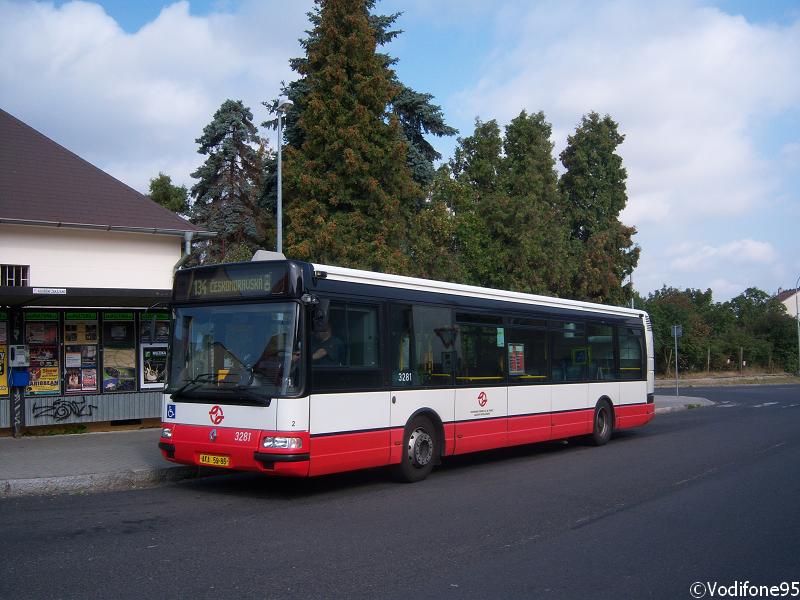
(707, 94)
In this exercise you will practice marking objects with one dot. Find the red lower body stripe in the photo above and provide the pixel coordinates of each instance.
(360, 450)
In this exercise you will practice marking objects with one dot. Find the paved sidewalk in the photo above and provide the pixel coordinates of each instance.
(84, 462)
(125, 459)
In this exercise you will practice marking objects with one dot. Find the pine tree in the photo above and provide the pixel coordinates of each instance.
(229, 196)
(415, 111)
(347, 186)
(594, 191)
(171, 197)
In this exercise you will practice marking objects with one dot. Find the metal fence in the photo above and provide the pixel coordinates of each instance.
(62, 410)
(5, 413)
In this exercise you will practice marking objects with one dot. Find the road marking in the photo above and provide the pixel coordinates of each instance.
(764, 404)
(727, 405)
(703, 474)
(768, 448)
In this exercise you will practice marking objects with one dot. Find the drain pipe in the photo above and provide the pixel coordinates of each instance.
(187, 251)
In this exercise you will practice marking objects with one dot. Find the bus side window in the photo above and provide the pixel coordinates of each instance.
(601, 352)
(570, 353)
(400, 346)
(631, 353)
(527, 355)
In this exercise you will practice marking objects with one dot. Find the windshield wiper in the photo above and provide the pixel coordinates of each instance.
(246, 393)
(200, 379)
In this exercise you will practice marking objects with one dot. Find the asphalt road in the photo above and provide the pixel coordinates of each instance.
(705, 495)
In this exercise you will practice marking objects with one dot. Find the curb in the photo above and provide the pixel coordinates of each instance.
(95, 482)
(689, 402)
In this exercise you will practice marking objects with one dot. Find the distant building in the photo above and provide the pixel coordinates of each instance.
(789, 299)
(86, 265)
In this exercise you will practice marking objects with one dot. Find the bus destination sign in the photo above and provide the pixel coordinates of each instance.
(230, 281)
(235, 286)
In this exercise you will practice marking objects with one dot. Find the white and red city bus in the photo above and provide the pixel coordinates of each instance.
(291, 368)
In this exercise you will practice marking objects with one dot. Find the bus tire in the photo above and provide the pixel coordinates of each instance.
(603, 424)
(420, 451)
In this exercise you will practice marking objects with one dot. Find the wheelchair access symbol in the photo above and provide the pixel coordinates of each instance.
(170, 411)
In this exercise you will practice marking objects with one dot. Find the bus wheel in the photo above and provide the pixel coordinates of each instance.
(420, 449)
(603, 423)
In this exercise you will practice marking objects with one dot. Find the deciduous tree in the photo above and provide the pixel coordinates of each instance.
(171, 197)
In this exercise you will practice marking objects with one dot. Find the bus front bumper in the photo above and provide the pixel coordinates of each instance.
(234, 449)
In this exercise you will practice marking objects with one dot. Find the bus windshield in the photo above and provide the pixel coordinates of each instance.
(242, 353)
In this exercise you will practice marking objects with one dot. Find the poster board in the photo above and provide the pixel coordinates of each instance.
(81, 336)
(41, 335)
(153, 361)
(119, 352)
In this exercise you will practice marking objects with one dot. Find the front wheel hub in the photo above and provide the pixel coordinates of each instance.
(420, 448)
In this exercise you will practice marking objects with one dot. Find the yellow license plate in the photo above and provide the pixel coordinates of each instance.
(215, 460)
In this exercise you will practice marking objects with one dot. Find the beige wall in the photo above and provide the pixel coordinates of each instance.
(791, 307)
(90, 259)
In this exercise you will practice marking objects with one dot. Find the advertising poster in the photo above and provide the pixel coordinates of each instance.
(154, 366)
(119, 370)
(89, 380)
(81, 365)
(41, 333)
(44, 381)
(154, 328)
(118, 330)
(72, 357)
(88, 356)
(44, 356)
(516, 359)
(42, 340)
(73, 380)
(3, 370)
(80, 332)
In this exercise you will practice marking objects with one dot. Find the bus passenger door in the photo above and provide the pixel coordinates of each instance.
(481, 392)
(481, 418)
(421, 359)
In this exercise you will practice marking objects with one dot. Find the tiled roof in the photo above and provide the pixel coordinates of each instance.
(41, 180)
(785, 295)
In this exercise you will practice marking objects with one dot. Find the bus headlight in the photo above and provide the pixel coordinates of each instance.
(166, 432)
(286, 443)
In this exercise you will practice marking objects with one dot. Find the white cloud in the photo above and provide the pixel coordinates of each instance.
(133, 104)
(684, 82)
(691, 256)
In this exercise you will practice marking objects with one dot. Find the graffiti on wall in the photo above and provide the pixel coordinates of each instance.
(64, 408)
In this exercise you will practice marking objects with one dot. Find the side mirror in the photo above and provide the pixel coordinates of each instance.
(319, 316)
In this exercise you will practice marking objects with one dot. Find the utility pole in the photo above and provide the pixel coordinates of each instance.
(677, 331)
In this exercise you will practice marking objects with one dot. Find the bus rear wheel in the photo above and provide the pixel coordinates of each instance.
(603, 423)
(420, 451)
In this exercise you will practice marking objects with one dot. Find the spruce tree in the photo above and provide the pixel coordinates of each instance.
(417, 114)
(594, 191)
(347, 186)
(229, 196)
